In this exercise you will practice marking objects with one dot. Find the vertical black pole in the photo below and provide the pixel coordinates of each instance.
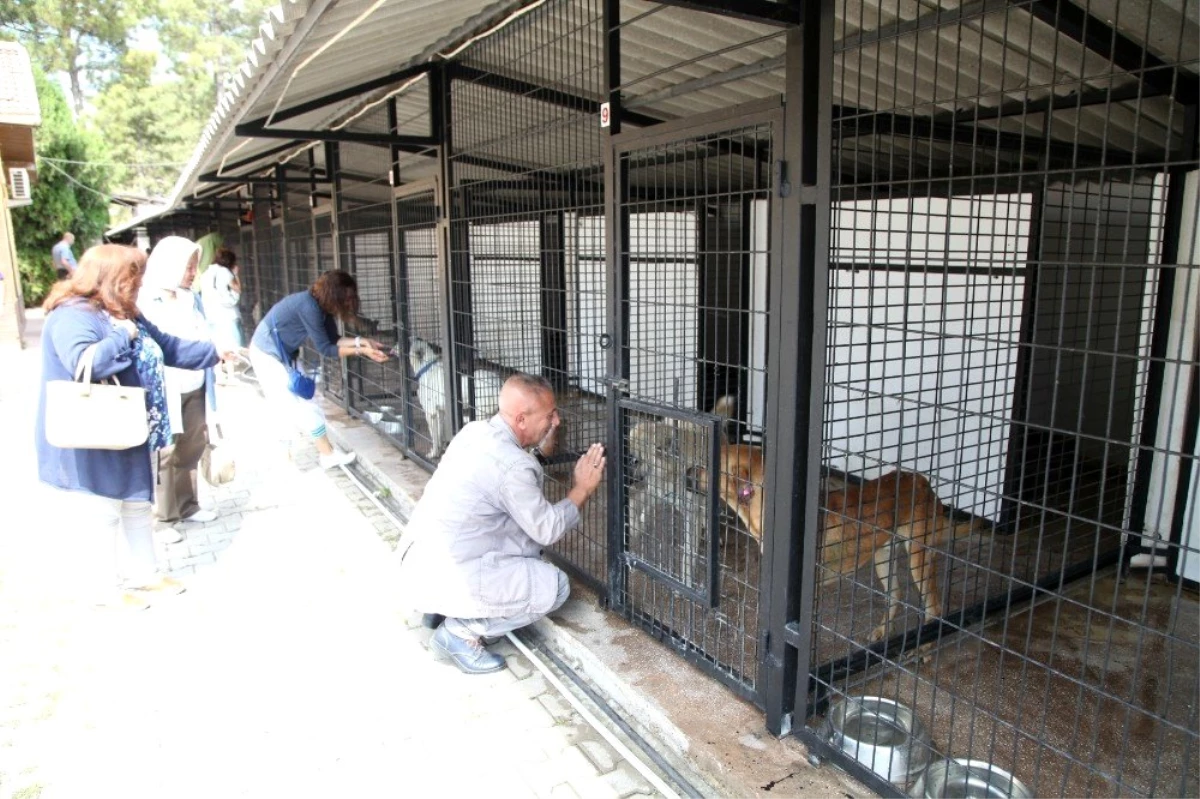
(441, 104)
(333, 173)
(1160, 335)
(554, 299)
(1183, 485)
(284, 217)
(796, 362)
(616, 275)
(399, 282)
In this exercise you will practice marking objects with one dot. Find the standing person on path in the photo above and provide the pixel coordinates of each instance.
(166, 300)
(472, 550)
(221, 290)
(63, 257)
(112, 490)
(309, 316)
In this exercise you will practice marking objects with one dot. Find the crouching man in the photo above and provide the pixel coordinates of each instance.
(472, 550)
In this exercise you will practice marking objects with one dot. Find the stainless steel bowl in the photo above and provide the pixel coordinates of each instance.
(374, 417)
(883, 735)
(387, 410)
(391, 428)
(968, 779)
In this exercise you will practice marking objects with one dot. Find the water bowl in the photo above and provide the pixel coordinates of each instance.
(968, 779)
(374, 417)
(883, 735)
(391, 428)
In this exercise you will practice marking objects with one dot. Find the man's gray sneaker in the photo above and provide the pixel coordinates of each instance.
(469, 655)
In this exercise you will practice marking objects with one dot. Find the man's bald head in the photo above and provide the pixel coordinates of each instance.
(527, 405)
(523, 393)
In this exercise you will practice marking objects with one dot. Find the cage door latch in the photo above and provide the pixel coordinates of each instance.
(781, 178)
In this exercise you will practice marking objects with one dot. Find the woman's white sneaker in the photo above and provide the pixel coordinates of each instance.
(336, 458)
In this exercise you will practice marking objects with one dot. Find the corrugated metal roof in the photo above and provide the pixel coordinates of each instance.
(936, 58)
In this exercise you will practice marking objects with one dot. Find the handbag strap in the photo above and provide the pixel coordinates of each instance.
(83, 368)
(279, 344)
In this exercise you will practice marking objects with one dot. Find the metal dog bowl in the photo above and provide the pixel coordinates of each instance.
(968, 779)
(391, 428)
(374, 417)
(883, 735)
(387, 410)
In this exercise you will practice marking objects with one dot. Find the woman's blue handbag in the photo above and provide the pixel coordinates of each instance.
(299, 383)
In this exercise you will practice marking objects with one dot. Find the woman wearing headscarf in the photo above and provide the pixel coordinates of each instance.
(221, 290)
(112, 490)
(167, 301)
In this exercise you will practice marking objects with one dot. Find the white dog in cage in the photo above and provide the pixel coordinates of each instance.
(426, 362)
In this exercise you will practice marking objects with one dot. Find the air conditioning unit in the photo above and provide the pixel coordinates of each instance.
(18, 183)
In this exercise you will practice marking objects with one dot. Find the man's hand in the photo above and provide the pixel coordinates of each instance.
(230, 355)
(589, 469)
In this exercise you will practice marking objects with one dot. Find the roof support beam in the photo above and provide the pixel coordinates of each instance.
(783, 14)
(252, 180)
(378, 139)
(847, 125)
(338, 96)
(543, 94)
(257, 157)
(1073, 21)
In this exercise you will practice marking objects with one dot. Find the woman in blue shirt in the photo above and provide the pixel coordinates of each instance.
(113, 489)
(309, 316)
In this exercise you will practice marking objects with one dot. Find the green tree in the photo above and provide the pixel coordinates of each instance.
(84, 39)
(206, 41)
(150, 126)
(69, 194)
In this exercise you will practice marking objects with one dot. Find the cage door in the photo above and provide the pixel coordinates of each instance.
(670, 477)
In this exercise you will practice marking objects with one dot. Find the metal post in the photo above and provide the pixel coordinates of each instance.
(440, 108)
(616, 247)
(798, 301)
(399, 287)
(333, 171)
(285, 255)
(1161, 331)
(554, 299)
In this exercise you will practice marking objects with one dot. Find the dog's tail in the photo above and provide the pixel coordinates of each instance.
(726, 407)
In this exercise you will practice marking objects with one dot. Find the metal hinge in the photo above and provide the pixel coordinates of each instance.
(781, 178)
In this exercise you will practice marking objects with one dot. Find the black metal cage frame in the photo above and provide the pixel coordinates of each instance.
(909, 253)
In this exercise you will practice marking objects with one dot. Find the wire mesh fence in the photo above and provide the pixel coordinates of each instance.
(1005, 538)
(1001, 229)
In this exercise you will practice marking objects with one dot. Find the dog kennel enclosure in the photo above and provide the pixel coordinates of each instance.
(770, 253)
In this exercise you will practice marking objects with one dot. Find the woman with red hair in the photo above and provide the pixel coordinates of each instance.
(97, 307)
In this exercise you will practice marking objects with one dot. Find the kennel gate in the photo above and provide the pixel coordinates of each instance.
(691, 252)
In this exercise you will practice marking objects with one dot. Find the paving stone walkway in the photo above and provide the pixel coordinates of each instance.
(287, 669)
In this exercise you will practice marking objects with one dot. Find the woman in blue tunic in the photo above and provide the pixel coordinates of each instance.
(98, 306)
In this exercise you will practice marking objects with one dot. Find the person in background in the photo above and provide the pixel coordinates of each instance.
(220, 290)
(309, 316)
(472, 551)
(166, 300)
(108, 493)
(63, 257)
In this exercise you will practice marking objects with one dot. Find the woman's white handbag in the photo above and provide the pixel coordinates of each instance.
(81, 414)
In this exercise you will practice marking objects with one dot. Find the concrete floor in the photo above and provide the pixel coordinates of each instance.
(1091, 693)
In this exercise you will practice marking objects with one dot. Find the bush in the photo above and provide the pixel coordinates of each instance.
(37, 276)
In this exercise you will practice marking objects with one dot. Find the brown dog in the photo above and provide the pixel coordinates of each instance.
(860, 523)
(741, 484)
(866, 521)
